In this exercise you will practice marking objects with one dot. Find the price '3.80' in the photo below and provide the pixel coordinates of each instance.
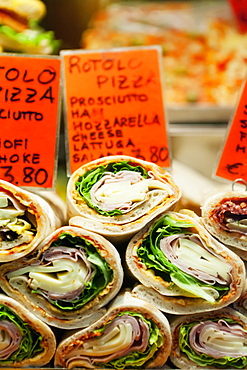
(30, 176)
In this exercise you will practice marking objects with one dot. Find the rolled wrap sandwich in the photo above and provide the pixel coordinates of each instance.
(75, 274)
(25, 220)
(181, 268)
(225, 217)
(117, 195)
(132, 334)
(25, 341)
(212, 340)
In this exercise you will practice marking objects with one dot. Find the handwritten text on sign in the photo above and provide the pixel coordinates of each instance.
(233, 161)
(114, 105)
(29, 91)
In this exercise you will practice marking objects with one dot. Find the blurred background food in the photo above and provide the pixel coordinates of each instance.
(70, 18)
(204, 55)
(20, 29)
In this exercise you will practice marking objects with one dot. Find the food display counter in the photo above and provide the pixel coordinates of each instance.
(126, 264)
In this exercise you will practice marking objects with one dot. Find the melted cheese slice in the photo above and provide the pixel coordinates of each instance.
(193, 255)
(125, 191)
(223, 341)
(10, 213)
(63, 277)
(116, 340)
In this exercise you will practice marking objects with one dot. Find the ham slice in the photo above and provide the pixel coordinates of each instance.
(219, 339)
(10, 339)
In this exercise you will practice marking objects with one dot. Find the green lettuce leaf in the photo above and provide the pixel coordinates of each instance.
(35, 39)
(30, 345)
(101, 278)
(136, 358)
(86, 182)
(206, 360)
(152, 256)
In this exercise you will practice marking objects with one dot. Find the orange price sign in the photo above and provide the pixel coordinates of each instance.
(29, 117)
(233, 160)
(114, 105)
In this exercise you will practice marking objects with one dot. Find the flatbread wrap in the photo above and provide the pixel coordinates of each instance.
(132, 334)
(241, 303)
(25, 341)
(225, 217)
(25, 220)
(181, 268)
(211, 340)
(75, 274)
(117, 195)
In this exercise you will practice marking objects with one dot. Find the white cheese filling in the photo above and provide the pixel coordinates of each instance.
(116, 340)
(63, 277)
(193, 255)
(125, 191)
(199, 259)
(223, 341)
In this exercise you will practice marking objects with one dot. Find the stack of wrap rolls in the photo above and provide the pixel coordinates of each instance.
(119, 277)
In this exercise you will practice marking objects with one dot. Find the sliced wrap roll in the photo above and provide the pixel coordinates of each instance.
(132, 334)
(25, 220)
(181, 268)
(212, 340)
(25, 341)
(75, 274)
(116, 196)
(225, 217)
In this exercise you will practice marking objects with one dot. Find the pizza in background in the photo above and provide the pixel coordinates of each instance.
(204, 55)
